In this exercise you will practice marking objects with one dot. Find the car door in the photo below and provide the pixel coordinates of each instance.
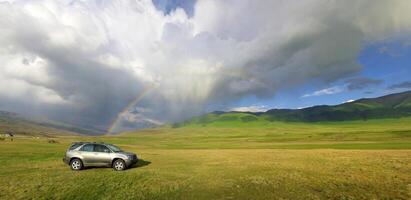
(87, 152)
(103, 154)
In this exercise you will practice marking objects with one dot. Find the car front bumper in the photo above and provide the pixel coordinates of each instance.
(131, 162)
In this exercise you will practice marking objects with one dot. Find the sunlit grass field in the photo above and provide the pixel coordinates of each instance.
(345, 160)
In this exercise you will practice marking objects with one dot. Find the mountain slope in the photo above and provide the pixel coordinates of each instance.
(389, 106)
(19, 125)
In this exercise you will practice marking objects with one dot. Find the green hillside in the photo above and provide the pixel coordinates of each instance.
(390, 106)
(21, 126)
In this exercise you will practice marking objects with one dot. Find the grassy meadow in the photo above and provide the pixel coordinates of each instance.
(255, 160)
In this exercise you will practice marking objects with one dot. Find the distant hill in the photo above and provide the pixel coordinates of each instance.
(19, 125)
(389, 106)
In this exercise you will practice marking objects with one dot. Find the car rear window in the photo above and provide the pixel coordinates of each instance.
(74, 146)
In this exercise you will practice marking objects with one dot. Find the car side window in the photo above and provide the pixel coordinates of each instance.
(101, 148)
(87, 147)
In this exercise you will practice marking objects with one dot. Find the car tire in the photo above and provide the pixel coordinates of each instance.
(76, 164)
(119, 165)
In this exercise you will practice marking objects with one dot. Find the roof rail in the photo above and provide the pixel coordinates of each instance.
(89, 142)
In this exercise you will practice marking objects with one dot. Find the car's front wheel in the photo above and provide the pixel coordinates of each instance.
(119, 165)
(76, 164)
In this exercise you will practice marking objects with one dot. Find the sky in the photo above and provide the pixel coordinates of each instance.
(118, 65)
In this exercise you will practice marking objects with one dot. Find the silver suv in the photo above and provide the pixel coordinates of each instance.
(84, 154)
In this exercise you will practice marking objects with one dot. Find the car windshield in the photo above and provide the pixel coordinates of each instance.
(114, 148)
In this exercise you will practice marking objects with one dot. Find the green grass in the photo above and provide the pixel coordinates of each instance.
(231, 160)
(372, 134)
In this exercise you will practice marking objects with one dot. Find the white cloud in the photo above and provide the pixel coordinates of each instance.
(349, 101)
(326, 91)
(99, 55)
(252, 108)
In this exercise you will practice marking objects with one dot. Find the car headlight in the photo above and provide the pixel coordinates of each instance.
(130, 157)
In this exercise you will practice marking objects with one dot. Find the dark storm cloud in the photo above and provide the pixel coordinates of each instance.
(97, 92)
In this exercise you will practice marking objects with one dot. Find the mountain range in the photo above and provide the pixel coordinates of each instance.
(389, 106)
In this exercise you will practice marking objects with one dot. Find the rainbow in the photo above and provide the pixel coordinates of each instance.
(114, 123)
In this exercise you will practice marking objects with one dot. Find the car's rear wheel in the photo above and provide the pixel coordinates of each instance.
(119, 165)
(76, 164)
